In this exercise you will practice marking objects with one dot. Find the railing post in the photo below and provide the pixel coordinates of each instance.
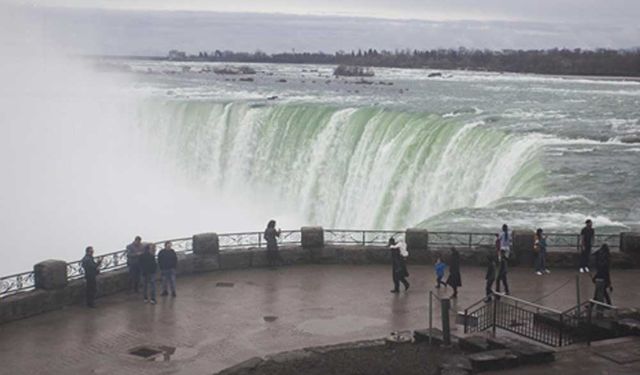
(495, 314)
(430, 315)
(589, 324)
(470, 240)
(466, 321)
(561, 330)
(364, 235)
(578, 296)
(446, 330)
(259, 240)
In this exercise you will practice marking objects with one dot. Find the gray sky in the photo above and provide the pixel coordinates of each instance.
(155, 26)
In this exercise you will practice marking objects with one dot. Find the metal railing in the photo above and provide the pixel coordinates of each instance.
(25, 281)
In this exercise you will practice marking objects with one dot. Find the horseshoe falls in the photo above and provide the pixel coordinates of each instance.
(346, 167)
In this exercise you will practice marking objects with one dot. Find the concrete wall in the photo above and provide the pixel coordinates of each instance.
(54, 292)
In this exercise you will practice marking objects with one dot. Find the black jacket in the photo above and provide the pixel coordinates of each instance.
(167, 259)
(148, 264)
(90, 267)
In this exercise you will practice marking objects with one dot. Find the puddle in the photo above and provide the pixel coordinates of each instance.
(270, 318)
(163, 353)
(224, 285)
(340, 325)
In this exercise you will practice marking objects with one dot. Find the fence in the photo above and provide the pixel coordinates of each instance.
(25, 281)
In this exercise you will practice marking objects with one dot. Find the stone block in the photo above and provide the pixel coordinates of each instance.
(243, 367)
(324, 255)
(351, 255)
(259, 258)
(493, 360)
(377, 255)
(295, 255)
(291, 356)
(113, 282)
(422, 335)
(235, 259)
(417, 239)
(206, 244)
(50, 274)
(205, 263)
(630, 244)
(312, 237)
(527, 353)
(458, 362)
(367, 344)
(522, 247)
(474, 344)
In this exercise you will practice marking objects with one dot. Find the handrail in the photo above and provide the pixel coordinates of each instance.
(521, 301)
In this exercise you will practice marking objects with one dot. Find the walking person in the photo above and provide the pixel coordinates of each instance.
(440, 267)
(134, 251)
(454, 280)
(603, 275)
(505, 241)
(399, 267)
(587, 235)
(91, 271)
(502, 273)
(168, 262)
(271, 235)
(490, 276)
(540, 248)
(149, 267)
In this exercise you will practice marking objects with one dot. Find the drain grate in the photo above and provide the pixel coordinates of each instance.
(224, 285)
(144, 352)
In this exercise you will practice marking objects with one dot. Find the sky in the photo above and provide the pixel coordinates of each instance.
(152, 27)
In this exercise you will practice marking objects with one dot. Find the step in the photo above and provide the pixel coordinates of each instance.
(497, 359)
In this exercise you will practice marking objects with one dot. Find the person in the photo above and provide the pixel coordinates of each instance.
(603, 273)
(502, 272)
(399, 267)
(505, 241)
(168, 262)
(497, 244)
(454, 280)
(271, 235)
(587, 234)
(440, 267)
(134, 251)
(540, 248)
(91, 270)
(490, 276)
(149, 267)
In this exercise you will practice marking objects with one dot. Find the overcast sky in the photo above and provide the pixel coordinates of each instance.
(155, 26)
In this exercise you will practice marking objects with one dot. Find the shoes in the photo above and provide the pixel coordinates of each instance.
(395, 291)
(586, 269)
(582, 270)
(153, 302)
(406, 286)
(438, 286)
(547, 271)
(164, 294)
(538, 273)
(454, 295)
(146, 300)
(173, 294)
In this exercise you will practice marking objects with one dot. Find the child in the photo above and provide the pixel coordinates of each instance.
(440, 267)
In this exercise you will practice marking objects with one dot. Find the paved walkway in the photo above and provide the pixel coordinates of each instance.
(221, 318)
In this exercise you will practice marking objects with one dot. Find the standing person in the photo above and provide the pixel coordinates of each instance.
(134, 251)
(502, 273)
(168, 262)
(149, 267)
(603, 273)
(91, 271)
(505, 241)
(587, 234)
(540, 248)
(490, 276)
(399, 267)
(271, 235)
(440, 267)
(454, 280)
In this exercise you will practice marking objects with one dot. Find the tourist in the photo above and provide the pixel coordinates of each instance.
(540, 248)
(149, 267)
(91, 271)
(490, 276)
(134, 250)
(440, 267)
(399, 267)
(454, 280)
(502, 272)
(168, 262)
(603, 274)
(505, 241)
(586, 242)
(271, 235)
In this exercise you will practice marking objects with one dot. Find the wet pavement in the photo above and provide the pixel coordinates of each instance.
(221, 318)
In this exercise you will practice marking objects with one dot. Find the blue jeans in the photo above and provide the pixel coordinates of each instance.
(541, 260)
(169, 277)
(150, 286)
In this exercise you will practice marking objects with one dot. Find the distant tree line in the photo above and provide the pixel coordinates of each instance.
(551, 61)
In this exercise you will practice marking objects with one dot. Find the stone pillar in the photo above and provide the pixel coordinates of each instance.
(522, 246)
(312, 237)
(417, 239)
(630, 245)
(206, 244)
(50, 274)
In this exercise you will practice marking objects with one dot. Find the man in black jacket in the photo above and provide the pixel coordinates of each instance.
(91, 271)
(168, 261)
(149, 267)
